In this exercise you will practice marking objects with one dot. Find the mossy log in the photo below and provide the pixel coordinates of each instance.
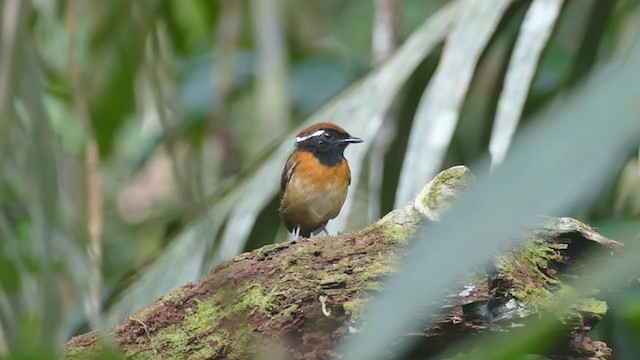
(301, 297)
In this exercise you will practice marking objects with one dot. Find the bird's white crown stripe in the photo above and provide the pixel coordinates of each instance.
(303, 138)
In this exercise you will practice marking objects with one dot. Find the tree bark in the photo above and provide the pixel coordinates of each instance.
(299, 298)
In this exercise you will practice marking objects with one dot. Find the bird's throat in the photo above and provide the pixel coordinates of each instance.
(329, 157)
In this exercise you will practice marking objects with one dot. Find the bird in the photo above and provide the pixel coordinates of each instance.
(315, 179)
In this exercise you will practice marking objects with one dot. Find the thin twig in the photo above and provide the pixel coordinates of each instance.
(223, 75)
(384, 37)
(272, 96)
(154, 75)
(93, 185)
(7, 320)
(13, 16)
(146, 331)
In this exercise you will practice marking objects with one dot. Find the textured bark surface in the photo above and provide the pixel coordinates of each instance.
(299, 298)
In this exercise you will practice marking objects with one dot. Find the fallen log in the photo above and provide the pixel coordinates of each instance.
(302, 297)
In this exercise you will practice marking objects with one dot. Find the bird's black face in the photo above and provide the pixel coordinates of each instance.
(327, 144)
(326, 140)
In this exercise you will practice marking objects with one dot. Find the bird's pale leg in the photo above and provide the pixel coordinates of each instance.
(296, 232)
(325, 230)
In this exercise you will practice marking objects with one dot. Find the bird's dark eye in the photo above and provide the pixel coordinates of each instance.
(327, 136)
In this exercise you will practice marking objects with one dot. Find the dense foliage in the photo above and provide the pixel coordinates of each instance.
(141, 142)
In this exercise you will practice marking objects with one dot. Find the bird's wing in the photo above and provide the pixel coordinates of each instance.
(288, 172)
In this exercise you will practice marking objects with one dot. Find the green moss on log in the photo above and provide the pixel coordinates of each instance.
(527, 269)
(355, 308)
(444, 187)
(203, 322)
(592, 308)
(399, 234)
(530, 272)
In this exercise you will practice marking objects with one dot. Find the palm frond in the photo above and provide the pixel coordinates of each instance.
(553, 167)
(534, 34)
(439, 109)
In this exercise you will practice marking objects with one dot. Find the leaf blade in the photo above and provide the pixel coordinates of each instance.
(439, 108)
(534, 34)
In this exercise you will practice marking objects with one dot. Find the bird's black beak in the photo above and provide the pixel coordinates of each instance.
(352, 140)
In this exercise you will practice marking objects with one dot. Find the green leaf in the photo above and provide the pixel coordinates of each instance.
(116, 52)
(9, 276)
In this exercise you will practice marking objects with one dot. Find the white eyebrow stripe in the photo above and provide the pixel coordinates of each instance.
(303, 138)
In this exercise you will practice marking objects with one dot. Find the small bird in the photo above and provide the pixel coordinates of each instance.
(315, 179)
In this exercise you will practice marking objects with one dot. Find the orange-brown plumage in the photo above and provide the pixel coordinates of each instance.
(315, 179)
(323, 176)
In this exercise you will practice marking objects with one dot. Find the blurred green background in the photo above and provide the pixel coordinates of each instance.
(141, 141)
